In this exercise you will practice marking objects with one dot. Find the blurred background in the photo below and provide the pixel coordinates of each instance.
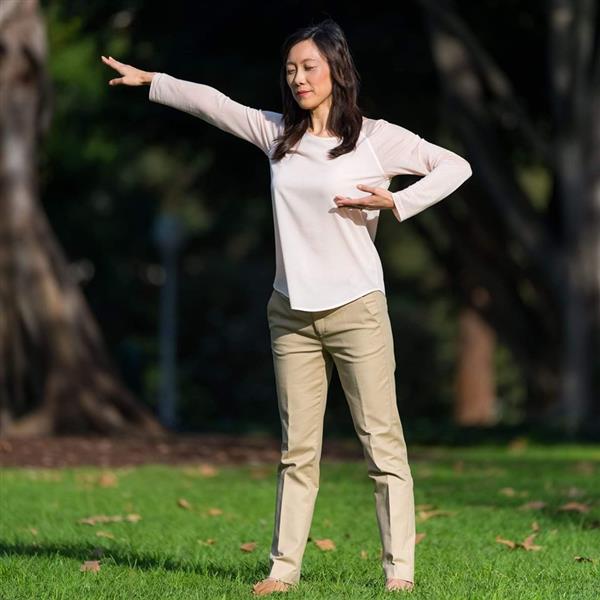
(135, 266)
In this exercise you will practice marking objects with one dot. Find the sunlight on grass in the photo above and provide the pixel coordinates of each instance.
(201, 531)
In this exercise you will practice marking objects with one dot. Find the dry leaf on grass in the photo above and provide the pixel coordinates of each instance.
(535, 526)
(248, 546)
(526, 544)
(183, 503)
(419, 537)
(108, 479)
(105, 534)
(518, 444)
(325, 544)
(132, 518)
(585, 467)
(511, 492)
(576, 506)
(424, 515)
(364, 554)
(207, 542)
(214, 512)
(586, 559)
(533, 505)
(90, 565)
(202, 470)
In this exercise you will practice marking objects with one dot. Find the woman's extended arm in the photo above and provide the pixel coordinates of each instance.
(402, 152)
(260, 127)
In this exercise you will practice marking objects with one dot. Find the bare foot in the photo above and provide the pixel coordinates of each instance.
(399, 584)
(270, 585)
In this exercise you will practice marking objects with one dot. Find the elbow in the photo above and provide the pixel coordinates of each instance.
(466, 169)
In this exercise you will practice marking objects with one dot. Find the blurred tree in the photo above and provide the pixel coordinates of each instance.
(536, 258)
(55, 374)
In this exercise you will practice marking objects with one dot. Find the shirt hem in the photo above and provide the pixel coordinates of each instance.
(363, 293)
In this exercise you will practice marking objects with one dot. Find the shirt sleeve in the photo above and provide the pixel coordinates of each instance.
(402, 152)
(260, 127)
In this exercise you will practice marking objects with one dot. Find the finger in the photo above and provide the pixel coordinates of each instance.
(345, 200)
(366, 188)
(116, 81)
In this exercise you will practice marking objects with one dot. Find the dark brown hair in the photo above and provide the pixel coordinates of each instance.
(345, 117)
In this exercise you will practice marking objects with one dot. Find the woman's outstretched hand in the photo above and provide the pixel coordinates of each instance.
(130, 75)
(379, 198)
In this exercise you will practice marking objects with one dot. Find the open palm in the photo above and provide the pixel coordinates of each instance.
(130, 75)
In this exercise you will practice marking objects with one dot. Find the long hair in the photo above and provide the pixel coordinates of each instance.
(345, 117)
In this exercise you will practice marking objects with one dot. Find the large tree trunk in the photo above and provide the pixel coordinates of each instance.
(55, 374)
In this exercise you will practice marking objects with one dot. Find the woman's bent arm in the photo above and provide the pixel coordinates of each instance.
(260, 127)
(402, 152)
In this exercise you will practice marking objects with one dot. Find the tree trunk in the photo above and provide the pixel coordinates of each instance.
(543, 280)
(55, 373)
(475, 399)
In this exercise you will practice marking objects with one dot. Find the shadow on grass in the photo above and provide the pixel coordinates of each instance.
(135, 560)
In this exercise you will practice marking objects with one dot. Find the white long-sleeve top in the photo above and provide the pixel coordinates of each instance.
(325, 254)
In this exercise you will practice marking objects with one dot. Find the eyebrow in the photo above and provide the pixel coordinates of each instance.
(289, 62)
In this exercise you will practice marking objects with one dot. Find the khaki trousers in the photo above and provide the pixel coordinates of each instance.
(357, 338)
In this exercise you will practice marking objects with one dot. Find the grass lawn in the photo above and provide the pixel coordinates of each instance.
(186, 541)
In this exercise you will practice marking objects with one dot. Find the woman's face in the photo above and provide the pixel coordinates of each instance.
(308, 71)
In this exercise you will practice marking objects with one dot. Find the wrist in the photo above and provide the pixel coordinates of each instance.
(147, 77)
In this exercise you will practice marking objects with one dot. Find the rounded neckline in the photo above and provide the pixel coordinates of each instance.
(320, 137)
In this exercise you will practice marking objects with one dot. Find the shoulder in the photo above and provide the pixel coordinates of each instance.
(273, 119)
(381, 129)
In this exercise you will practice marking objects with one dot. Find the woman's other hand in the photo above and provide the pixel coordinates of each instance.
(379, 198)
(130, 75)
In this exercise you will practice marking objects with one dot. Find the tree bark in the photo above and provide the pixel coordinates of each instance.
(55, 373)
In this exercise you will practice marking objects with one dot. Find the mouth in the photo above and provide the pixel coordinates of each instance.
(302, 94)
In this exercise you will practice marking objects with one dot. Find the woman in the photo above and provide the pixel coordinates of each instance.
(330, 172)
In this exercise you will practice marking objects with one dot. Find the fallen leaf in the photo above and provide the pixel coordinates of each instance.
(90, 565)
(133, 517)
(535, 526)
(108, 479)
(424, 515)
(325, 544)
(511, 492)
(214, 512)
(207, 542)
(518, 444)
(364, 554)
(94, 520)
(419, 537)
(248, 546)
(105, 534)
(585, 467)
(207, 470)
(585, 559)
(424, 506)
(526, 544)
(184, 503)
(508, 543)
(576, 506)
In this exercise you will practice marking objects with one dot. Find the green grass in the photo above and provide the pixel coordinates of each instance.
(159, 557)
